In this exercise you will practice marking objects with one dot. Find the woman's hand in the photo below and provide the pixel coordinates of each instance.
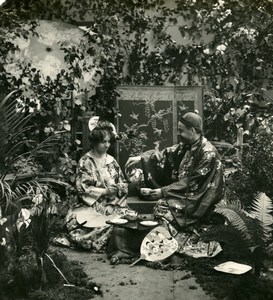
(132, 161)
(111, 192)
(122, 189)
(109, 209)
(156, 194)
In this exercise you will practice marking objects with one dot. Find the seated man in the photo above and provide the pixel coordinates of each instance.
(187, 177)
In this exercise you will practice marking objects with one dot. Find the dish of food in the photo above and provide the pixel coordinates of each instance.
(149, 223)
(232, 268)
(119, 221)
(131, 215)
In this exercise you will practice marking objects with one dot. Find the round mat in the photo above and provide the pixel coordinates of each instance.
(93, 218)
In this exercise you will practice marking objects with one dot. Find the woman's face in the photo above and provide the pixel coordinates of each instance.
(103, 146)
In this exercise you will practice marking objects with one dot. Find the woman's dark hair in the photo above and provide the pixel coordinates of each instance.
(98, 134)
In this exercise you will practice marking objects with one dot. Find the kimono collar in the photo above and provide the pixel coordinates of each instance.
(193, 146)
(109, 158)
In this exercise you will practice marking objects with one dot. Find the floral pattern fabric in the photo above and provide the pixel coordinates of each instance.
(191, 179)
(92, 179)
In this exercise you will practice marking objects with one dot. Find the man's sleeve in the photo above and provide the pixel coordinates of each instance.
(198, 176)
(155, 166)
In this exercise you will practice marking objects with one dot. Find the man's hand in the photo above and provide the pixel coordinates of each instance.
(156, 194)
(132, 161)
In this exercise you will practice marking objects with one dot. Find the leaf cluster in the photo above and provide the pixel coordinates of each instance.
(244, 230)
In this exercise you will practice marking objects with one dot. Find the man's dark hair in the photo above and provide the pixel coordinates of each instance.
(192, 120)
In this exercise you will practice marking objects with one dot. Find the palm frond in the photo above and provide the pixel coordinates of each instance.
(261, 210)
(16, 134)
(12, 195)
(233, 212)
(3, 102)
(15, 148)
(52, 180)
(6, 192)
(12, 121)
(20, 122)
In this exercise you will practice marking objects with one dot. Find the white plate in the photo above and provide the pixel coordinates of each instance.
(93, 219)
(232, 267)
(119, 221)
(149, 223)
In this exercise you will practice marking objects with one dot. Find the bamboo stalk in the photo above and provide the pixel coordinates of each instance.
(60, 272)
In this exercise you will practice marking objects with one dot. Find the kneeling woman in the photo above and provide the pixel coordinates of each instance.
(101, 185)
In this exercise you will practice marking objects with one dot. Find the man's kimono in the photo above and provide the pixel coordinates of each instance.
(190, 176)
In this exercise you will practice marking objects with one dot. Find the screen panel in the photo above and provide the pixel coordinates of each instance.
(148, 116)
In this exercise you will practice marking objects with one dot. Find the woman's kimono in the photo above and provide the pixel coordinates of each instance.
(191, 179)
(91, 181)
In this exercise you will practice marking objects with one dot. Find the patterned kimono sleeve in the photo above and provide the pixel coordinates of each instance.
(122, 185)
(175, 190)
(86, 182)
(207, 163)
(157, 167)
(191, 199)
(200, 173)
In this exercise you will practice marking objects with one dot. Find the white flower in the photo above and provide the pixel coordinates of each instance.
(47, 130)
(206, 51)
(23, 218)
(4, 242)
(204, 171)
(11, 68)
(221, 48)
(2, 221)
(228, 25)
(228, 12)
(52, 209)
(38, 199)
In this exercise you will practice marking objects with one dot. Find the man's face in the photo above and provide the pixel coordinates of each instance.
(184, 134)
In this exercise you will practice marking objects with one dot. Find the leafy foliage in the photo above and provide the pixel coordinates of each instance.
(244, 229)
(255, 174)
(262, 208)
(223, 45)
(26, 204)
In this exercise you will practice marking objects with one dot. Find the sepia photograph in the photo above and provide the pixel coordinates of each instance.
(136, 149)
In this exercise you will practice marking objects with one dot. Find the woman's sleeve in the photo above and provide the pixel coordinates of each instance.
(122, 184)
(86, 182)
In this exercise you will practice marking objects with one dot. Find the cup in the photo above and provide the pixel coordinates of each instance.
(145, 191)
(131, 215)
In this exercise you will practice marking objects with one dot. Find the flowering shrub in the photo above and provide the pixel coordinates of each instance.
(255, 174)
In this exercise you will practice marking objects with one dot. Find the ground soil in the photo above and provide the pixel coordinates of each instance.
(196, 279)
(139, 282)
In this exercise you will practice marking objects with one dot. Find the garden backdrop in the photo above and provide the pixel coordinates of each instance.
(62, 62)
